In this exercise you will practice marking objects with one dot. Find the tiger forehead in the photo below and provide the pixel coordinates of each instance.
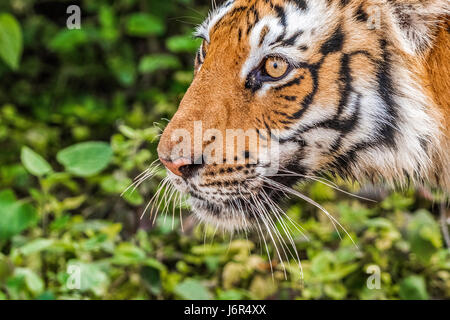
(253, 21)
(241, 16)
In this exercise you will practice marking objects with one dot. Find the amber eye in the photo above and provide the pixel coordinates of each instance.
(276, 67)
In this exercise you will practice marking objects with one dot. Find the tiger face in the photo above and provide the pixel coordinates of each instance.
(336, 83)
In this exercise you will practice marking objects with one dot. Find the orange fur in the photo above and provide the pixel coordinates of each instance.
(436, 76)
(437, 73)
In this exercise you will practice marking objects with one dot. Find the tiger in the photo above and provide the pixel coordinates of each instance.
(354, 89)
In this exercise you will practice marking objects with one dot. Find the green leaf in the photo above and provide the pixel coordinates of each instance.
(154, 62)
(335, 291)
(107, 18)
(11, 43)
(123, 69)
(424, 235)
(134, 198)
(6, 268)
(34, 163)
(86, 159)
(144, 24)
(191, 289)
(230, 295)
(33, 282)
(413, 288)
(126, 253)
(117, 185)
(398, 201)
(68, 40)
(152, 279)
(15, 216)
(34, 246)
(184, 43)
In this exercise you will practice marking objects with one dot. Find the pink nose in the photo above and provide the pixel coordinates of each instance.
(174, 166)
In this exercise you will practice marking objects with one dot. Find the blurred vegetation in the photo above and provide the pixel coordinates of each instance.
(80, 114)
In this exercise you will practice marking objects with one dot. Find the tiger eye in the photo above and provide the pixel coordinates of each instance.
(276, 67)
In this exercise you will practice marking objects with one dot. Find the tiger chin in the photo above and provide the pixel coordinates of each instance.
(358, 89)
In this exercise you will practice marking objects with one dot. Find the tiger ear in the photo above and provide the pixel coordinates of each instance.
(416, 22)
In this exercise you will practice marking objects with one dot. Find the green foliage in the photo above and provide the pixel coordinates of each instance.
(10, 40)
(16, 216)
(424, 236)
(152, 63)
(34, 163)
(144, 25)
(183, 43)
(413, 288)
(68, 40)
(80, 114)
(192, 290)
(85, 159)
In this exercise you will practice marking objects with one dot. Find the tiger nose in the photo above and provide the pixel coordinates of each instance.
(176, 166)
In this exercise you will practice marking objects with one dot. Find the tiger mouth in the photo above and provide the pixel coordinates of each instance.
(238, 204)
(223, 215)
(237, 212)
(219, 210)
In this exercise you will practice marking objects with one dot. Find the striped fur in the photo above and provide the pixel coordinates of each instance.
(361, 101)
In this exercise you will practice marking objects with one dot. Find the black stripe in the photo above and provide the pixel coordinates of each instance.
(387, 91)
(301, 4)
(343, 163)
(291, 41)
(289, 98)
(334, 43)
(361, 15)
(281, 15)
(347, 126)
(345, 86)
(230, 14)
(197, 58)
(303, 48)
(343, 126)
(314, 70)
(291, 83)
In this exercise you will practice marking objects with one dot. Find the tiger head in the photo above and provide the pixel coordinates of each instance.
(347, 87)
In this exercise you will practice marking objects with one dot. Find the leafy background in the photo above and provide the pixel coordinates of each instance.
(80, 114)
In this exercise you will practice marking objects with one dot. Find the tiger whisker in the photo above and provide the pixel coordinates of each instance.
(312, 202)
(278, 209)
(333, 186)
(287, 232)
(159, 188)
(155, 198)
(266, 223)
(146, 174)
(271, 226)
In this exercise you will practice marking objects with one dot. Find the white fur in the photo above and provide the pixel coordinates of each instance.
(203, 31)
